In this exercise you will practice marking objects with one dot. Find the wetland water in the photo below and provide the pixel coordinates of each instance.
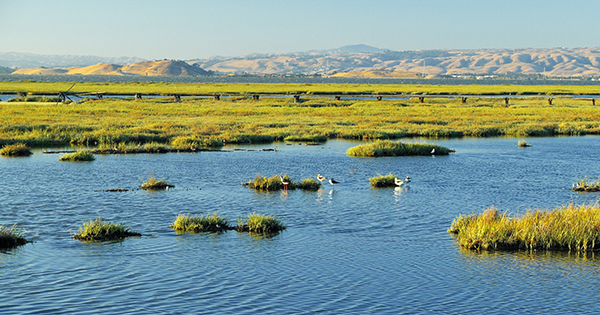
(350, 250)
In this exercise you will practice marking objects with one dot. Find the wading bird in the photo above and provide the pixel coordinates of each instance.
(285, 183)
(333, 182)
(433, 152)
(321, 178)
(400, 182)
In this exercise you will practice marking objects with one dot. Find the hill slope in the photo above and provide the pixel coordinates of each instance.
(551, 62)
(149, 68)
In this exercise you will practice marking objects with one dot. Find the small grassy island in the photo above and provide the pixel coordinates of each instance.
(585, 185)
(392, 148)
(523, 144)
(381, 181)
(11, 237)
(569, 228)
(98, 230)
(79, 156)
(260, 224)
(17, 149)
(275, 183)
(208, 223)
(154, 184)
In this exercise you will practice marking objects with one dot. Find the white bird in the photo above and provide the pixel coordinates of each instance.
(400, 182)
(433, 151)
(321, 178)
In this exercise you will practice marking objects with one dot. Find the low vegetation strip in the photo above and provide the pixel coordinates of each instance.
(568, 227)
(98, 230)
(11, 237)
(391, 148)
(382, 181)
(79, 156)
(155, 184)
(276, 182)
(586, 185)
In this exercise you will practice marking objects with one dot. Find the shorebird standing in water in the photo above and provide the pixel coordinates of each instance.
(400, 182)
(321, 178)
(333, 182)
(433, 152)
(284, 182)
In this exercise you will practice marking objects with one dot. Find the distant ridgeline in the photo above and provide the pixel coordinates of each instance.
(149, 68)
(354, 61)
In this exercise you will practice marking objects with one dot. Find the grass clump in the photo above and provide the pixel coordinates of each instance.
(565, 228)
(208, 223)
(586, 185)
(17, 149)
(11, 237)
(381, 181)
(154, 184)
(261, 224)
(79, 156)
(391, 148)
(523, 144)
(274, 183)
(98, 230)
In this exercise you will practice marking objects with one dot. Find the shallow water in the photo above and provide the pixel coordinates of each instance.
(348, 249)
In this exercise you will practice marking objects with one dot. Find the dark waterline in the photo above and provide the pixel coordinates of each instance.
(348, 250)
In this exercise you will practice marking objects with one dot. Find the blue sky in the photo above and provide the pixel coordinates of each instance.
(185, 29)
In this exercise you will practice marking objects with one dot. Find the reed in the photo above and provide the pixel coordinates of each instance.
(79, 156)
(154, 184)
(11, 237)
(390, 148)
(261, 224)
(208, 223)
(568, 227)
(309, 184)
(523, 144)
(17, 149)
(586, 185)
(98, 230)
(383, 181)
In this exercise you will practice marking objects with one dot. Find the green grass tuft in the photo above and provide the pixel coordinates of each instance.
(568, 227)
(98, 230)
(523, 144)
(586, 185)
(79, 156)
(273, 183)
(11, 237)
(208, 223)
(154, 184)
(383, 181)
(17, 149)
(391, 148)
(260, 224)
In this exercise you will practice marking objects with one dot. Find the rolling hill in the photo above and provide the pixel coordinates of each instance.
(147, 68)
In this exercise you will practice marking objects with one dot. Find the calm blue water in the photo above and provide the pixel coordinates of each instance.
(348, 250)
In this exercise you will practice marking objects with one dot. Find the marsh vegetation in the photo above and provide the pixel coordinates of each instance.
(568, 227)
(196, 224)
(586, 185)
(79, 156)
(17, 149)
(98, 230)
(276, 182)
(392, 148)
(155, 184)
(383, 181)
(261, 224)
(11, 237)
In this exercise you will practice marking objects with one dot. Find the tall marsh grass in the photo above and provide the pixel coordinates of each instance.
(274, 183)
(381, 181)
(208, 223)
(17, 149)
(11, 237)
(391, 148)
(98, 230)
(155, 184)
(569, 227)
(586, 185)
(262, 224)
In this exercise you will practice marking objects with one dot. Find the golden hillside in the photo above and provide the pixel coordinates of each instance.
(41, 70)
(99, 69)
(150, 68)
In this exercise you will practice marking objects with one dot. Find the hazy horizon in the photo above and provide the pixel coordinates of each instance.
(184, 29)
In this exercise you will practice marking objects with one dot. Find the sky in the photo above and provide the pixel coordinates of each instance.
(187, 29)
